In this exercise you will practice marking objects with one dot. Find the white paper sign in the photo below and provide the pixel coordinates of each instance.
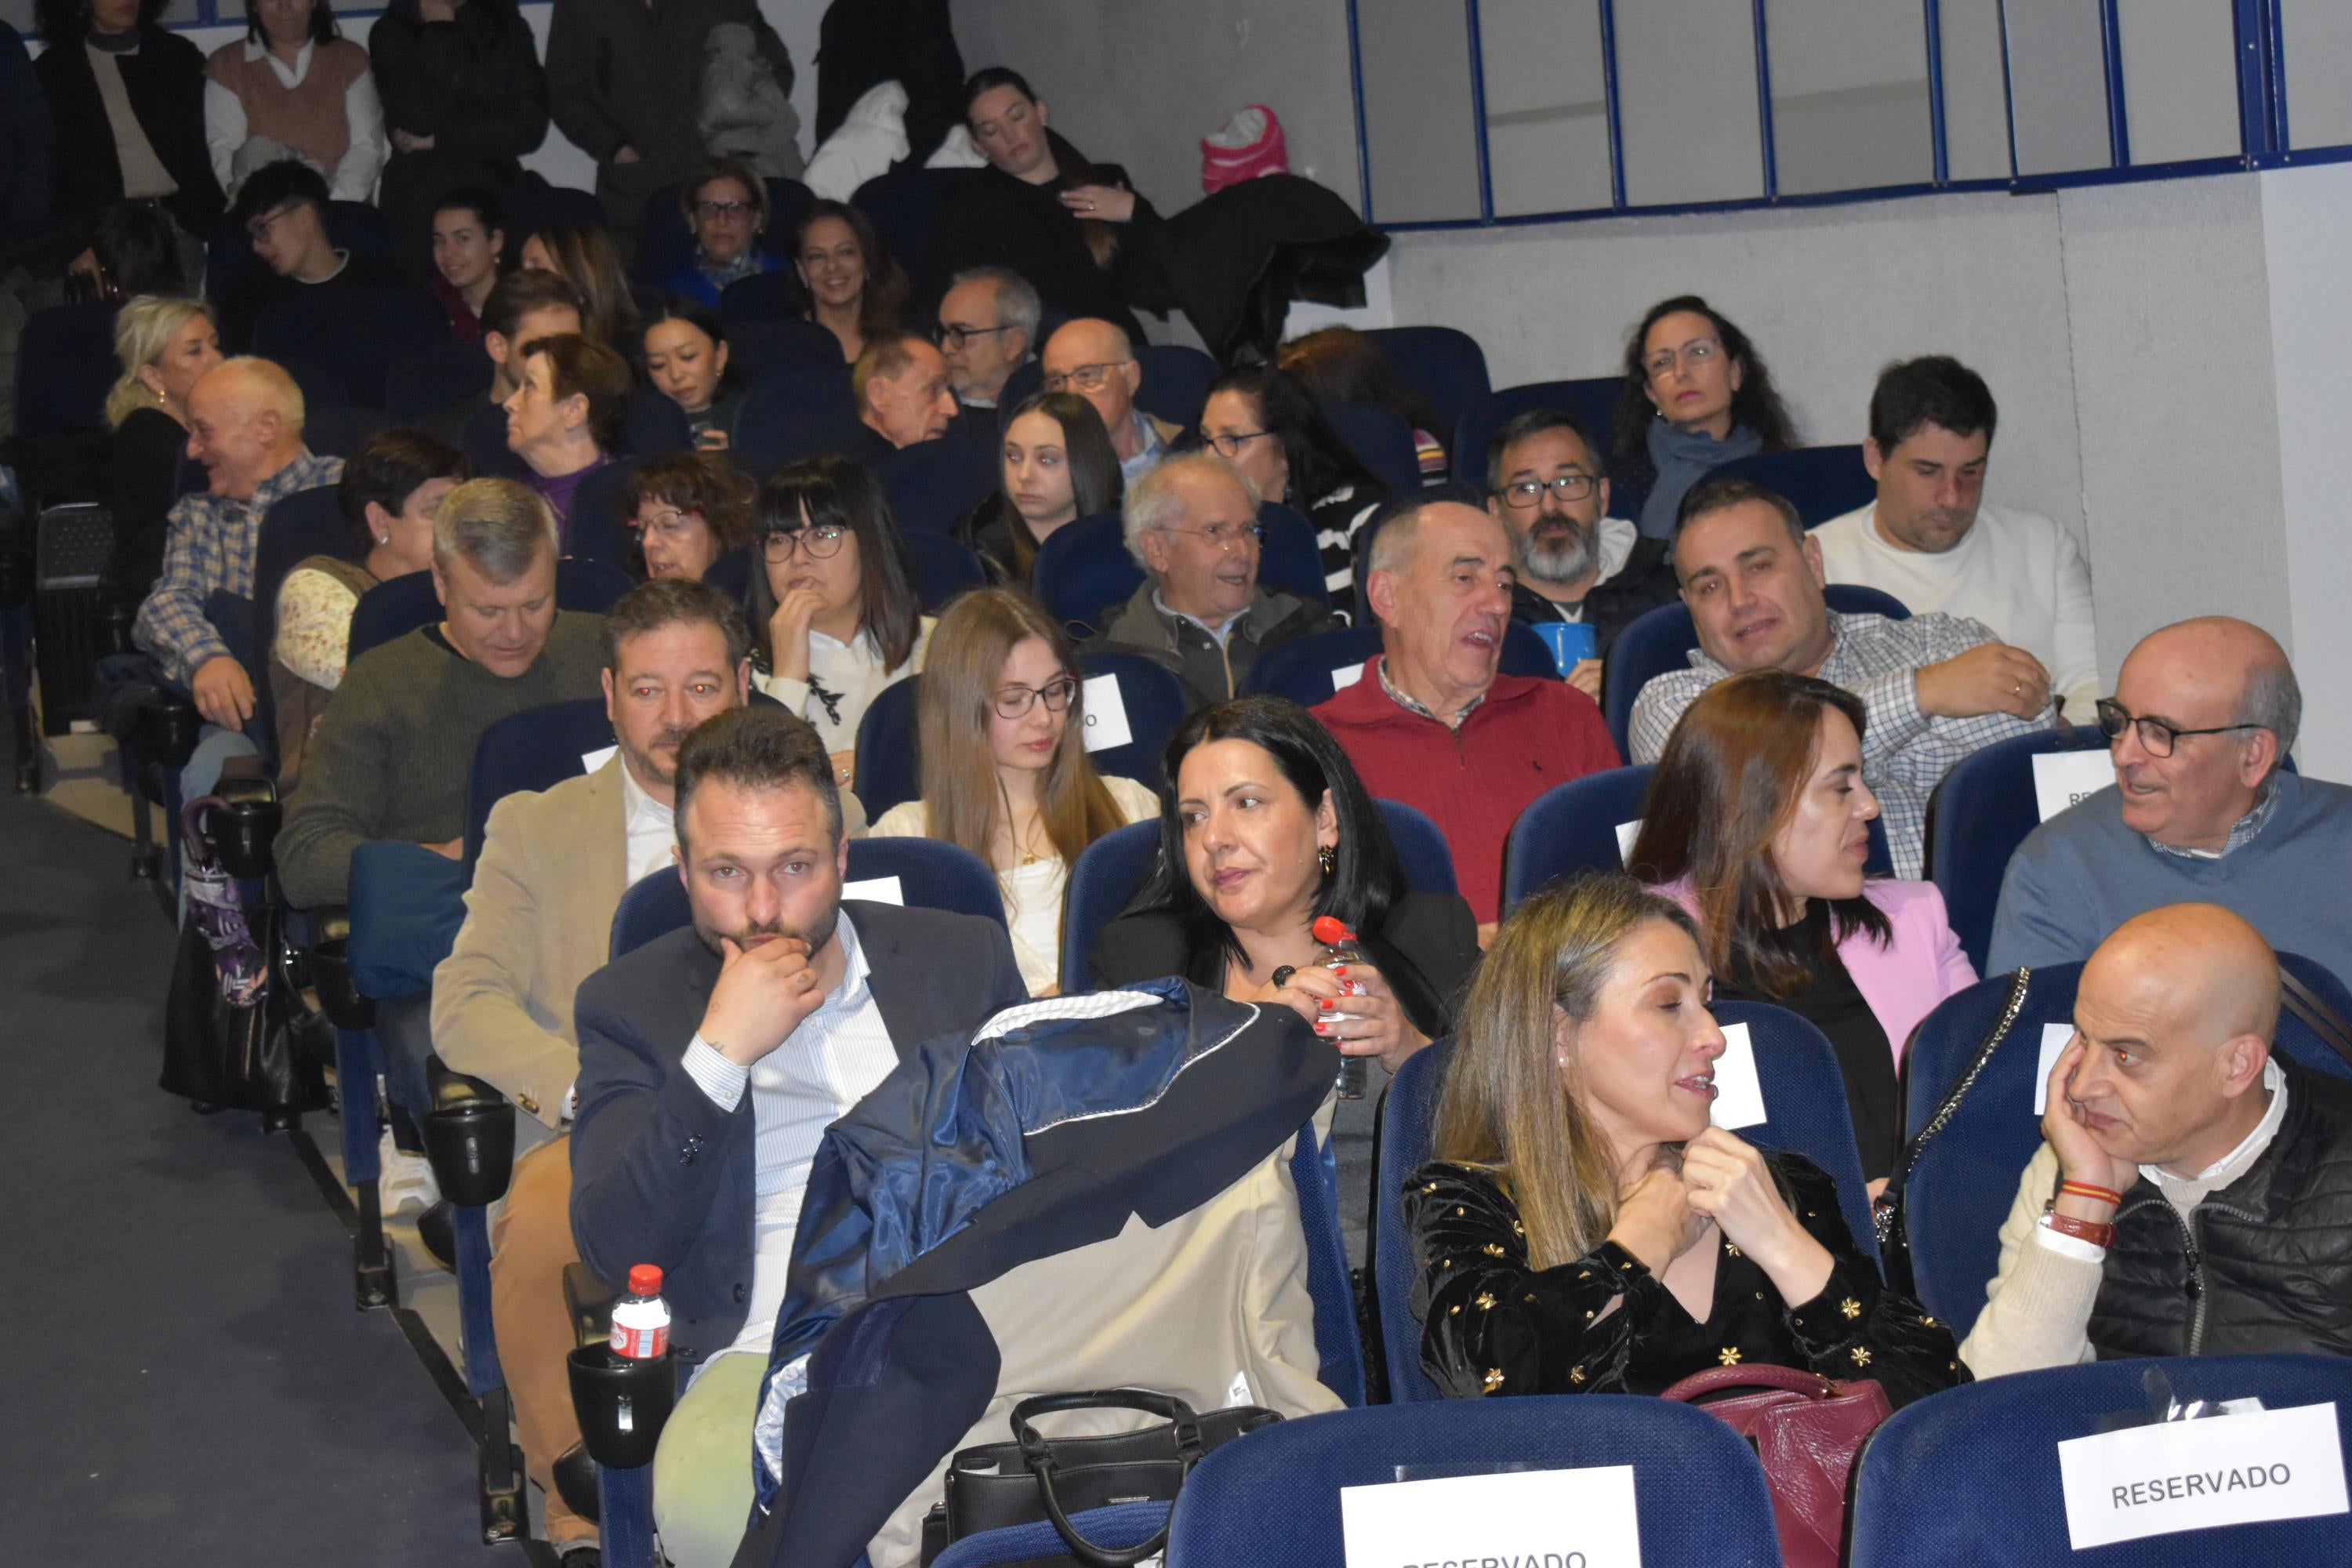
(2053, 1044)
(2198, 1475)
(2062, 778)
(875, 891)
(1626, 833)
(1530, 1519)
(1739, 1088)
(1105, 714)
(591, 761)
(1344, 677)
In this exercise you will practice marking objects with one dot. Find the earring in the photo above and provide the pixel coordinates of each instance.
(384, 538)
(1325, 858)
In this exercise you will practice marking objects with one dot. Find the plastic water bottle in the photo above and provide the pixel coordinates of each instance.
(1339, 948)
(641, 1319)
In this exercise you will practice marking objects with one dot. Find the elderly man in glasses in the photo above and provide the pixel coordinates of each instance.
(1576, 563)
(2202, 811)
(1095, 360)
(988, 329)
(1202, 614)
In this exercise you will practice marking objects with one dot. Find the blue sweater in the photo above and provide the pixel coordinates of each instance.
(2082, 873)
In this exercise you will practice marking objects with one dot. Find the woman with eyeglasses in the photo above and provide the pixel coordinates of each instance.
(1075, 229)
(1005, 773)
(726, 208)
(1264, 827)
(1758, 821)
(855, 290)
(833, 612)
(684, 354)
(1696, 395)
(685, 509)
(1262, 422)
(1058, 467)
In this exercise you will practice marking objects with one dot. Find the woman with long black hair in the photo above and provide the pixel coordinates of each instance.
(1695, 396)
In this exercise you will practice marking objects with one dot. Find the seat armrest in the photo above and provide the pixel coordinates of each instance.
(469, 1137)
(590, 1300)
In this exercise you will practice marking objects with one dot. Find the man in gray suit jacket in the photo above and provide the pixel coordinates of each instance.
(712, 1060)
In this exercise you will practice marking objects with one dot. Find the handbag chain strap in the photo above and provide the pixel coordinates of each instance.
(2316, 1016)
(1951, 1103)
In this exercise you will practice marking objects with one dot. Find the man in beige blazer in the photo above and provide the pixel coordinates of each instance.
(538, 920)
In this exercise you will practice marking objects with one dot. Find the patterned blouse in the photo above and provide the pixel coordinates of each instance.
(314, 625)
(1493, 1324)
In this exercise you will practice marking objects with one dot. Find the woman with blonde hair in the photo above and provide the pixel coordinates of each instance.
(166, 345)
(1005, 773)
(1584, 1228)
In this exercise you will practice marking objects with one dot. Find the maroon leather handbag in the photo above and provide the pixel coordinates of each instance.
(1809, 1431)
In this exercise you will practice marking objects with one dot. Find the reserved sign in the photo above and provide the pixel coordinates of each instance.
(2062, 779)
(1738, 1086)
(1523, 1519)
(1105, 714)
(2200, 1474)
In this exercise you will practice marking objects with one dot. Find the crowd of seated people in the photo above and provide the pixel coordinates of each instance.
(1581, 1226)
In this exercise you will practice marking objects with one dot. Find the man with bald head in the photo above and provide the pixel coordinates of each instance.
(1202, 614)
(1432, 721)
(1097, 361)
(2192, 1194)
(2202, 718)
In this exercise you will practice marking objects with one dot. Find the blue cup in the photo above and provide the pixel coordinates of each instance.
(1568, 641)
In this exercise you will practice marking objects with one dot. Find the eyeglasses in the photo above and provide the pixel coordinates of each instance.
(1567, 487)
(1014, 701)
(673, 523)
(1229, 444)
(1085, 377)
(2157, 738)
(822, 541)
(1224, 535)
(261, 226)
(1694, 353)
(955, 335)
(724, 212)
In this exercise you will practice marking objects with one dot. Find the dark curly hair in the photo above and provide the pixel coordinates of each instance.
(1756, 404)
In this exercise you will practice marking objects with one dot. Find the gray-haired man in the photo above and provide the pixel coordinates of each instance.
(988, 329)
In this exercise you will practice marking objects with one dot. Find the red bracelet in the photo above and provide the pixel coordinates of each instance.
(2085, 1190)
(2097, 1233)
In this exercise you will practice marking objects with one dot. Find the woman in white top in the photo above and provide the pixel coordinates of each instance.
(295, 88)
(1005, 773)
(833, 611)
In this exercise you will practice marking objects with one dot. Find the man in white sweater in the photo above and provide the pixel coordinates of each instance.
(1930, 539)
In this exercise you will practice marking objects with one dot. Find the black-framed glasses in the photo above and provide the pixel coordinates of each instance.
(955, 335)
(1526, 493)
(1229, 444)
(1085, 377)
(822, 541)
(1014, 701)
(724, 212)
(1224, 535)
(2155, 737)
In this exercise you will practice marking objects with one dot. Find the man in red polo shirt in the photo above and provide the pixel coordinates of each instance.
(1433, 722)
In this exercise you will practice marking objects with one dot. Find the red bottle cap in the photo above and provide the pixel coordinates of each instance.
(1331, 930)
(644, 1280)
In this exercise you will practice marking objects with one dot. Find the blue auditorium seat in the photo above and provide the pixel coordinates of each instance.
(761, 349)
(434, 377)
(534, 750)
(932, 483)
(943, 569)
(395, 609)
(1176, 382)
(796, 414)
(1821, 482)
(1444, 365)
(1381, 441)
(1591, 400)
(65, 367)
(360, 332)
(932, 874)
(1979, 814)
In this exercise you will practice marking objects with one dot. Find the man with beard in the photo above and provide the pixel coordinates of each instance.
(1545, 481)
(539, 920)
(1930, 539)
(712, 1060)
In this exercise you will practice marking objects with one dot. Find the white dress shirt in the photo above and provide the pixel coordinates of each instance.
(652, 827)
(827, 1064)
(351, 180)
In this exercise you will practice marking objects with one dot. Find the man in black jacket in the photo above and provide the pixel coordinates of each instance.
(2193, 1192)
(1577, 564)
(712, 1060)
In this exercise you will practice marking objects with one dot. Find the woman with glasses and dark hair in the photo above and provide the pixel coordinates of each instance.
(684, 355)
(1075, 229)
(1266, 826)
(685, 509)
(1058, 467)
(726, 208)
(833, 612)
(295, 88)
(855, 290)
(1758, 821)
(1582, 1229)
(1262, 422)
(1696, 395)
(1005, 773)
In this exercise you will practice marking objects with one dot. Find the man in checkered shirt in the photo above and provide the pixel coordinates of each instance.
(1935, 686)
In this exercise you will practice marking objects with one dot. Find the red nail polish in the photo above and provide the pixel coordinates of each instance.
(1324, 1002)
(1338, 969)
(1322, 1026)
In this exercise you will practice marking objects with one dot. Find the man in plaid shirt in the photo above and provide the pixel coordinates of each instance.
(1935, 686)
(244, 425)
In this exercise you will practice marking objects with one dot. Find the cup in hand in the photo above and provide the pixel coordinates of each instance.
(1570, 641)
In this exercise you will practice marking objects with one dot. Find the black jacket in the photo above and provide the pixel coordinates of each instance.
(660, 1174)
(996, 220)
(863, 43)
(2262, 1264)
(1640, 586)
(25, 151)
(473, 85)
(165, 79)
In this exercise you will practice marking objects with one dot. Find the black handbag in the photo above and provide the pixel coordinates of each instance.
(1036, 1477)
(1886, 1219)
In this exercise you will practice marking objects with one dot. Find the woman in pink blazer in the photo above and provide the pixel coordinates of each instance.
(1758, 821)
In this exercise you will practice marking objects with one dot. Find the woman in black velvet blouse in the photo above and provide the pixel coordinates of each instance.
(1584, 1228)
